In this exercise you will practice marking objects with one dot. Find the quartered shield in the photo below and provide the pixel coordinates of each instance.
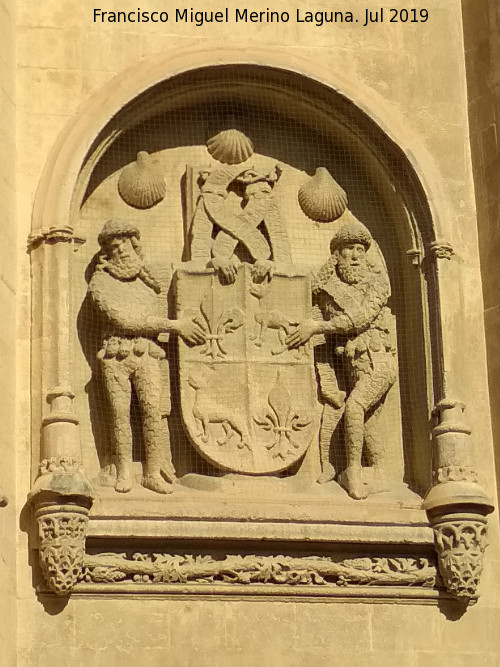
(248, 402)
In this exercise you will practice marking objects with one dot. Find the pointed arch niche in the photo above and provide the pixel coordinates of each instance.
(299, 120)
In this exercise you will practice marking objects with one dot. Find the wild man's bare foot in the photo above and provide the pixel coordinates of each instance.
(352, 481)
(123, 482)
(168, 472)
(327, 475)
(155, 482)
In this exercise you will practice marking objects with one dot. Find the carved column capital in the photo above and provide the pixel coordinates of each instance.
(415, 254)
(62, 528)
(441, 249)
(53, 234)
(61, 499)
(460, 545)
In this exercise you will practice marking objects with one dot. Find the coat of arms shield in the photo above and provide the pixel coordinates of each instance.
(248, 403)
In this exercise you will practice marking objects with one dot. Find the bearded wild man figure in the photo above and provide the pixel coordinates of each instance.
(132, 301)
(351, 294)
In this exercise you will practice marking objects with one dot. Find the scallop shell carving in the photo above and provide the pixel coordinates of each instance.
(142, 184)
(321, 198)
(230, 147)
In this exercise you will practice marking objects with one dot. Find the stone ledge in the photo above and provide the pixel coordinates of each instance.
(240, 529)
(309, 518)
(369, 594)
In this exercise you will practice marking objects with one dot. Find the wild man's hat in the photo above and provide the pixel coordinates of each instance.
(351, 232)
(117, 227)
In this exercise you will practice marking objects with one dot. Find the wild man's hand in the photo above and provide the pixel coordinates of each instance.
(191, 331)
(302, 333)
(226, 268)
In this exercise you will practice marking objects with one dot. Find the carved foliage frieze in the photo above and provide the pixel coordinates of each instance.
(283, 571)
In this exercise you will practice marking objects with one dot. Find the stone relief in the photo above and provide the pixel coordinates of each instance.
(230, 147)
(279, 372)
(255, 330)
(321, 198)
(142, 184)
(235, 403)
(258, 229)
(131, 297)
(351, 296)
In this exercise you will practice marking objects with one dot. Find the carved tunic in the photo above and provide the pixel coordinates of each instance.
(361, 321)
(132, 313)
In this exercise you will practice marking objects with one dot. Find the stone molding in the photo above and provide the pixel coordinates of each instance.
(456, 474)
(415, 254)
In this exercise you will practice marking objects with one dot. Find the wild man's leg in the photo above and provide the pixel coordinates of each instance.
(116, 375)
(354, 419)
(370, 389)
(328, 385)
(329, 420)
(147, 383)
(333, 407)
(376, 454)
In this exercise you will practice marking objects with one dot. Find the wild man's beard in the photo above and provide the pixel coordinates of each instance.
(351, 274)
(125, 268)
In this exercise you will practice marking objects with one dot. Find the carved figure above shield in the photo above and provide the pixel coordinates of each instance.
(235, 218)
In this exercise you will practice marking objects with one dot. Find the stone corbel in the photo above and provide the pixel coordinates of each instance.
(61, 500)
(62, 525)
(456, 505)
(61, 496)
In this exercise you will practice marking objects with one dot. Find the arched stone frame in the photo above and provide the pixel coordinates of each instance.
(61, 494)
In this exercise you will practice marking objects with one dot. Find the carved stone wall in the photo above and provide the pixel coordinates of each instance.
(234, 327)
(206, 540)
(10, 342)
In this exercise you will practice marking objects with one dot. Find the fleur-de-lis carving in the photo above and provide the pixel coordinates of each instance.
(216, 326)
(282, 420)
